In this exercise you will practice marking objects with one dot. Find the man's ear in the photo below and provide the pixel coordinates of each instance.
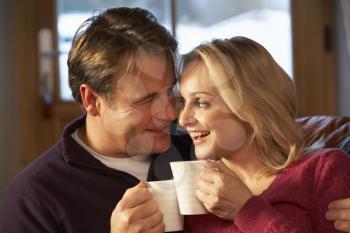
(90, 100)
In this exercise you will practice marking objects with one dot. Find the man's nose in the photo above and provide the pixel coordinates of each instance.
(164, 109)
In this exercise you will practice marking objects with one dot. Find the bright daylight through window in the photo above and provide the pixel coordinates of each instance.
(266, 21)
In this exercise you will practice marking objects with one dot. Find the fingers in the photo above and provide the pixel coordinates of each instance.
(216, 178)
(340, 204)
(154, 220)
(202, 196)
(137, 212)
(339, 214)
(144, 210)
(215, 171)
(216, 206)
(342, 225)
(151, 223)
(134, 197)
(210, 175)
(219, 165)
(160, 228)
(212, 201)
(207, 200)
(221, 191)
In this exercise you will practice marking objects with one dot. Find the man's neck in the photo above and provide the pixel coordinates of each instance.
(91, 136)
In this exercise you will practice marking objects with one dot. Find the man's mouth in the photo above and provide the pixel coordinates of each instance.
(159, 132)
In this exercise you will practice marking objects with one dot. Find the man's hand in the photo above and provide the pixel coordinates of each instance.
(137, 212)
(221, 191)
(339, 211)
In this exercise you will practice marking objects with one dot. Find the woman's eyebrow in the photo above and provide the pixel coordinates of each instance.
(202, 93)
(198, 93)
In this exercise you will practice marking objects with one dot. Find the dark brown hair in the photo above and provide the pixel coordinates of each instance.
(104, 47)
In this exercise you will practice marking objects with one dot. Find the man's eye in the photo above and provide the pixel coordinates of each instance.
(145, 101)
(172, 92)
(181, 102)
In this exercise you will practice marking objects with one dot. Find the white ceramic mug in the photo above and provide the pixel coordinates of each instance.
(186, 175)
(163, 192)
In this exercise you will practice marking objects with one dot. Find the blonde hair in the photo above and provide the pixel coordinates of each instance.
(258, 92)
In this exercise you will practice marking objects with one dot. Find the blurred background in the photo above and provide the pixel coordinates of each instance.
(309, 39)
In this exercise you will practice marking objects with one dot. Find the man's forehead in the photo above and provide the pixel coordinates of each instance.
(142, 83)
(166, 79)
(153, 65)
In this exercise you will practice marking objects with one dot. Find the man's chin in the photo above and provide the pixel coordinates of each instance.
(160, 147)
(156, 149)
(146, 145)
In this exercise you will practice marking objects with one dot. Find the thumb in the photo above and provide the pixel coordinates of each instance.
(142, 184)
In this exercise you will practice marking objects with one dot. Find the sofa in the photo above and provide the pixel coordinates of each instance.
(334, 131)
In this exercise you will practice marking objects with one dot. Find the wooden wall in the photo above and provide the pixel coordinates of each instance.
(314, 56)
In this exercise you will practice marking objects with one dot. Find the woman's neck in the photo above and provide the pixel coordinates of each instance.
(249, 168)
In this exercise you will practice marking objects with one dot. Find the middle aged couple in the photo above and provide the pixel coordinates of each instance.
(235, 102)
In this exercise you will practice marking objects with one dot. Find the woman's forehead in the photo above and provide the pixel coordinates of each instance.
(196, 78)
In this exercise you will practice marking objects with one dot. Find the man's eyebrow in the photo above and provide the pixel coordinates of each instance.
(153, 94)
(144, 98)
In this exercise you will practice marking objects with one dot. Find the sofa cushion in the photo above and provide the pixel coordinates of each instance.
(334, 131)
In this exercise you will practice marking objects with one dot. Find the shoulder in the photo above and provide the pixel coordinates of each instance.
(330, 162)
(26, 194)
(328, 168)
(327, 157)
(320, 165)
(321, 157)
(34, 175)
(50, 165)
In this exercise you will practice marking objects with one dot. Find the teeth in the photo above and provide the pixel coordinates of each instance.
(198, 134)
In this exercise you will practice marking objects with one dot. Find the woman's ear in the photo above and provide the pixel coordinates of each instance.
(90, 100)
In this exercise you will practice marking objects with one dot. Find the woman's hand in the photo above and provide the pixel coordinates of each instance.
(221, 191)
(137, 212)
(339, 211)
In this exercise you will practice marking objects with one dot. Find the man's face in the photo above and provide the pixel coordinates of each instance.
(137, 120)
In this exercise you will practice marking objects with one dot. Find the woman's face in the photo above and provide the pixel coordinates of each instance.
(212, 126)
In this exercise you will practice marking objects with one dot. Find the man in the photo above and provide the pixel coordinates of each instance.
(121, 69)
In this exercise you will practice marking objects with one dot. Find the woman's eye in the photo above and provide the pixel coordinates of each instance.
(202, 104)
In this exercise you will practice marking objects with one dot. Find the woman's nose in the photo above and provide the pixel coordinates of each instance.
(186, 117)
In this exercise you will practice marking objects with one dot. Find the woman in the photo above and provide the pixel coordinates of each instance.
(239, 107)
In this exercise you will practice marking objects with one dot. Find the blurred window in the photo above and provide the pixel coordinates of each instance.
(266, 21)
(71, 14)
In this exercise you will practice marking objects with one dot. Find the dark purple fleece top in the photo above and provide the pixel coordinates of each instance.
(67, 190)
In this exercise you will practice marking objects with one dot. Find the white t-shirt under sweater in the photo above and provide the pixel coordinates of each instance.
(136, 165)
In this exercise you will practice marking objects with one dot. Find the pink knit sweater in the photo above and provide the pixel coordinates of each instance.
(295, 202)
